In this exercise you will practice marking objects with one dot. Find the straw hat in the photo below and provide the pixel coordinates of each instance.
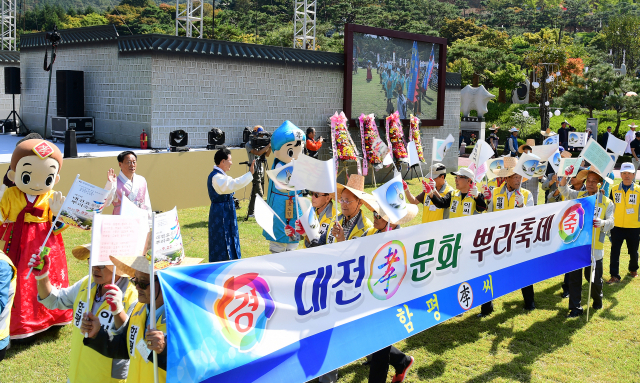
(132, 264)
(508, 167)
(530, 143)
(548, 132)
(565, 154)
(582, 175)
(355, 184)
(494, 127)
(633, 126)
(514, 129)
(83, 253)
(412, 211)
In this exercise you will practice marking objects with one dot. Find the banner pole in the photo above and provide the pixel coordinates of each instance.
(86, 334)
(593, 269)
(53, 225)
(152, 301)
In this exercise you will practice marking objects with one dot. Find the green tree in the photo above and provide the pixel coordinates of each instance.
(623, 35)
(507, 79)
(626, 107)
(459, 28)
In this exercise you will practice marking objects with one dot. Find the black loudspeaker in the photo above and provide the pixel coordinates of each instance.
(70, 93)
(70, 144)
(11, 80)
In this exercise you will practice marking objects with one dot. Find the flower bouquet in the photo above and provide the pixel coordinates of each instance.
(415, 135)
(373, 147)
(396, 137)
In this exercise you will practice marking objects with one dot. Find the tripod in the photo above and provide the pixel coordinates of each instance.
(260, 161)
(412, 170)
(14, 114)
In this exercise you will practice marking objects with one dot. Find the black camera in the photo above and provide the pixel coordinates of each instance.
(53, 37)
(260, 140)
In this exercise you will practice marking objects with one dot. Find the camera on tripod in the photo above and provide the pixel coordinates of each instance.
(258, 140)
(54, 36)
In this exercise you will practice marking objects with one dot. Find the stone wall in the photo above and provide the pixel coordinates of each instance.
(197, 93)
(117, 90)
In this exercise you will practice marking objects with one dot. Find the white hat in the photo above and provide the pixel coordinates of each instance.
(633, 126)
(627, 167)
(464, 172)
(514, 129)
(438, 169)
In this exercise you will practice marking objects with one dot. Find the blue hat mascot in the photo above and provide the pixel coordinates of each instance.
(287, 143)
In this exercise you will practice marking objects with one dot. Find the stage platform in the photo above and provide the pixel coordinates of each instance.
(173, 178)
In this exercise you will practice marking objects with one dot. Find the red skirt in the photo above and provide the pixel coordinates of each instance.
(28, 316)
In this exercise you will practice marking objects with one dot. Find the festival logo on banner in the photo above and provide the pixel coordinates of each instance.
(388, 268)
(243, 310)
(571, 223)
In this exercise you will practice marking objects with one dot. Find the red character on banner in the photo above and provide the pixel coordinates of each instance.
(27, 211)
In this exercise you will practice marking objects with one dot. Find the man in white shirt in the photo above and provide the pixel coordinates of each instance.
(128, 184)
(629, 137)
(224, 240)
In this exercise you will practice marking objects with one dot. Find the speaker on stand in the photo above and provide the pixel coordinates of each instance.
(12, 87)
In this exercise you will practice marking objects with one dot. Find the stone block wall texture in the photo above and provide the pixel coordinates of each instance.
(117, 90)
(6, 100)
(162, 92)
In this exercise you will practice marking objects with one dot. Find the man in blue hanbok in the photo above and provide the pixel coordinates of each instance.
(224, 240)
(287, 143)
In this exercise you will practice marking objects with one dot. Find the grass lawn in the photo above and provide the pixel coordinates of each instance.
(509, 346)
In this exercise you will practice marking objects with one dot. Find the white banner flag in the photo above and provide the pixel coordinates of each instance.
(264, 216)
(314, 175)
(414, 158)
(545, 151)
(616, 145)
(391, 198)
(167, 239)
(481, 153)
(281, 177)
(598, 158)
(527, 165)
(493, 166)
(553, 140)
(440, 148)
(555, 161)
(117, 235)
(577, 139)
(309, 219)
(83, 200)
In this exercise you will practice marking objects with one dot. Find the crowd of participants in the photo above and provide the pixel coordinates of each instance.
(113, 341)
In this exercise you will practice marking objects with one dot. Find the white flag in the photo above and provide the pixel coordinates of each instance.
(598, 158)
(527, 165)
(129, 209)
(264, 216)
(481, 153)
(414, 159)
(545, 151)
(83, 200)
(441, 147)
(577, 139)
(553, 140)
(167, 239)
(555, 161)
(309, 219)
(281, 177)
(391, 199)
(493, 166)
(387, 160)
(616, 145)
(314, 175)
(117, 235)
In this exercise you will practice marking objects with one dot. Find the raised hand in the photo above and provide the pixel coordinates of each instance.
(597, 222)
(404, 185)
(487, 193)
(55, 202)
(114, 299)
(299, 227)
(111, 176)
(289, 231)
(155, 340)
(473, 192)
(519, 199)
(40, 266)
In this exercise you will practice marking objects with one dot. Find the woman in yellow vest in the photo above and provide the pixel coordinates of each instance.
(603, 220)
(131, 341)
(8, 274)
(430, 212)
(507, 197)
(111, 303)
(626, 197)
(464, 201)
(351, 223)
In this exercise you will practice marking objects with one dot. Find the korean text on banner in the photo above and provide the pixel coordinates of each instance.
(83, 200)
(293, 316)
(315, 175)
(116, 235)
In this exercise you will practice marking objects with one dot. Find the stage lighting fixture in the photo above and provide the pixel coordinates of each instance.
(178, 140)
(215, 139)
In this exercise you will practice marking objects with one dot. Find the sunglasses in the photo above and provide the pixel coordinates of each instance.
(318, 195)
(142, 285)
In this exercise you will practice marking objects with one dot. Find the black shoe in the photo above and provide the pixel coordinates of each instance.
(596, 306)
(530, 307)
(574, 313)
(565, 294)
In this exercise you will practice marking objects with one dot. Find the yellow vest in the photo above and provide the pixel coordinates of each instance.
(597, 241)
(461, 207)
(5, 316)
(361, 229)
(626, 213)
(140, 369)
(87, 365)
(430, 212)
(501, 202)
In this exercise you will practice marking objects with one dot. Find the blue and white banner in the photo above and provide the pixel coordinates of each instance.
(293, 316)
